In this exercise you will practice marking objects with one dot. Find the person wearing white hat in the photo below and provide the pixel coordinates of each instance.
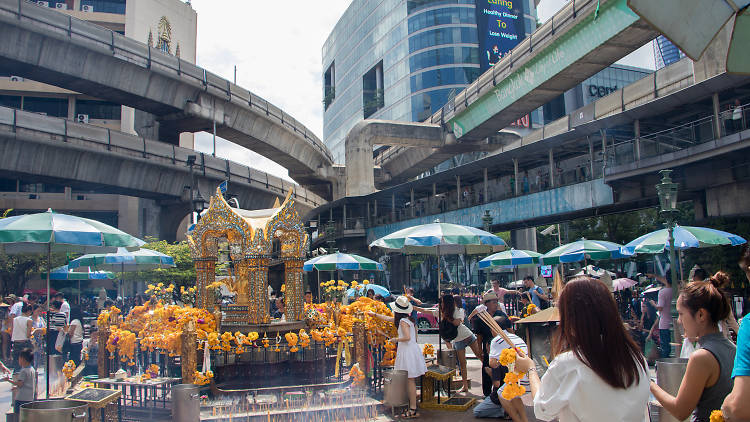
(408, 354)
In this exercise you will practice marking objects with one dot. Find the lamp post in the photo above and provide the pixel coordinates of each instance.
(667, 192)
(486, 220)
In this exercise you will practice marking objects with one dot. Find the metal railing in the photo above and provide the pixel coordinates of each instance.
(139, 148)
(676, 138)
(134, 52)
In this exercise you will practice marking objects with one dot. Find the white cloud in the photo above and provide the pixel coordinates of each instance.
(276, 47)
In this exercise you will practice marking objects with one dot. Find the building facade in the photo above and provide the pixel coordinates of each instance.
(170, 25)
(665, 53)
(403, 59)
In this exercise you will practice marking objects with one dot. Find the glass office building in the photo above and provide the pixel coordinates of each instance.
(403, 59)
(666, 53)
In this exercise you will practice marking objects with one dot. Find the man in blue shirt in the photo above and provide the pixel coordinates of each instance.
(537, 293)
(736, 406)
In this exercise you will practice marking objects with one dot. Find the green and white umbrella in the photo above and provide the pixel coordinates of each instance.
(440, 239)
(342, 261)
(124, 260)
(582, 250)
(685, 237)
(48, 232)
(510, 258)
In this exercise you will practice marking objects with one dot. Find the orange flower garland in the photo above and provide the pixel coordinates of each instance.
(428, 350)
(717, 416)
(513, 388)
(68, 369)
(203, 378)
(291, 340)
(356, 375)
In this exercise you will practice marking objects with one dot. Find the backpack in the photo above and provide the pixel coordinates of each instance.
(447, 330)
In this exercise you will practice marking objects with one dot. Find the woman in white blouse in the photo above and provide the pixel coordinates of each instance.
(599, 373)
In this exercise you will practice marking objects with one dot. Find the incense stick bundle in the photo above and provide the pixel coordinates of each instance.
(496, 330)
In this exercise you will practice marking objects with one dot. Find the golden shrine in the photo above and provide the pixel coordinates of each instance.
(251, 236)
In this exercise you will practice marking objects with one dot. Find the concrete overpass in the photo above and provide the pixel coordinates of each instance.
(44, 45)
(583, 38)
(89, 157)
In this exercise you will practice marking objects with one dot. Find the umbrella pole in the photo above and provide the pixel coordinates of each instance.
(440, 279)
(319, 295)
(46, 365)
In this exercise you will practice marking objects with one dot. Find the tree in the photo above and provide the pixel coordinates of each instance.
(183, 274)
(16, 270)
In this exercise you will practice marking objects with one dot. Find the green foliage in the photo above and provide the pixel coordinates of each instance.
(16, 270)
(181, 275)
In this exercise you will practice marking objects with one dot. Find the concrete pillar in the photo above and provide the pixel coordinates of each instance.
(591, 156)
(484, 175)
(637, 133)
(603, 133)
(717, 120)
(551, 167)
(458, 191)
(411, 202)
(393, 207)
(368, 214)
(344, 213)
(71, 107)
(330, 214)
(524, 239)
(68, 193)
(515, 176)
(375, 211)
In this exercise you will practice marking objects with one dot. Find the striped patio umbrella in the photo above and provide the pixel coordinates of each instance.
(124, 260)
(363, 288)
(685, 237)
(512, 257)
(66, 273)
(440, 239)
(342, 261)
(582, 250)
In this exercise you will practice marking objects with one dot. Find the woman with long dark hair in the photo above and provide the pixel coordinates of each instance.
(598, 373)
(408, 354)
(451, 315)
(708, 377)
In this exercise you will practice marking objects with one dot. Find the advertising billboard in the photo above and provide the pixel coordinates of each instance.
(500, 26)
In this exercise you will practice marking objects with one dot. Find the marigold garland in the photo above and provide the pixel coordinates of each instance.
(716, 416)
(203, 378)
(356, 375)
(531, 309)
(428, 350)
(68, 369)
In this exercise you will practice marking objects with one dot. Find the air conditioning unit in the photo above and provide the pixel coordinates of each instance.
(87, 8)
(15, 78)
(82, 118)
(43, 3)
(61, 6)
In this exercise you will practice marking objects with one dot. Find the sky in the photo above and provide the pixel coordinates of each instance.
(276, 47)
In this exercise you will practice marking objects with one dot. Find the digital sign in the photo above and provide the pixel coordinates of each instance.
(546, 270)
(500, 27)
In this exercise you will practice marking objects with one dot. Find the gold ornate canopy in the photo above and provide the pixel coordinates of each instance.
(250, 235)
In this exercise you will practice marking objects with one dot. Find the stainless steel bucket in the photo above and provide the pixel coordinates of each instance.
(54, 411)
(669, 374)
(186, 405)
(394, 387)
(447, 358)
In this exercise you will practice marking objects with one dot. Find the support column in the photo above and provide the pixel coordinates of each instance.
(433, 200)
(637, 133)
(375, 211)
(458, 191)
(524, 239)
(367, 220)
(717, 120)
(294, 296)
(591, 157)
(205, 269)
(343, 211)
(486, 198)
(603, 133)
(551, 167)
(257, 308)
(515, 177)
(411, 201)
(393, 207)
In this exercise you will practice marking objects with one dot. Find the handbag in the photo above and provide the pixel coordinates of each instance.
(62, 336)
(447, 330)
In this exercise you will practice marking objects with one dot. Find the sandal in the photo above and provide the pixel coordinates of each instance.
(410, 414)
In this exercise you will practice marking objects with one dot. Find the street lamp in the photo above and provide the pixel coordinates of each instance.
(667, 192)
(486, 220)
(331, 236)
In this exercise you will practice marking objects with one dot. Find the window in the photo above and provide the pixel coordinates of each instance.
(425, 104)
(440, 56)
(446, 76)
(443, 36)
(105, 6)
(98, 109)
(415, 5)
(57, 107)
(372, 90)
(329, 85)
(452, 15)
(12, 101)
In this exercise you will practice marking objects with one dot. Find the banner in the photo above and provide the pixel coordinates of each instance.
(500, 27)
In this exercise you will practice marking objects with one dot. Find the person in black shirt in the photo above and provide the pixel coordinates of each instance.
(485, 336)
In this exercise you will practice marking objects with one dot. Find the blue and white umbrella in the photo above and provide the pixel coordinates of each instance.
(124, 260)
(342, 261)
(510, 258)
(363, 288)
(685, 237)
(66, 273)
